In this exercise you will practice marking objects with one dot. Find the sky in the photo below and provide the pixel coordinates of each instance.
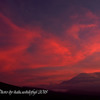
(45, 42)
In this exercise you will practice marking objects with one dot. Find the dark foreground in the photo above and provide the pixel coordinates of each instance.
(45, 94)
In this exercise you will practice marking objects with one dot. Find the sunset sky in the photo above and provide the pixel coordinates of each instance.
(44, 42)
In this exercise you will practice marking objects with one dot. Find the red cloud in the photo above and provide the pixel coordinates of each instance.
(22, 48)
(51, 52)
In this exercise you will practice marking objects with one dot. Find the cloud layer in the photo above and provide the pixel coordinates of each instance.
(49, 53)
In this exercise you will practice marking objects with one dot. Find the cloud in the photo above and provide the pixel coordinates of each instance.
(14, 40)
(35, 48)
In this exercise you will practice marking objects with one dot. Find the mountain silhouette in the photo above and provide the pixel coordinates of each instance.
(6, 86)
(88, 83)
(51, 94)
(84, 77)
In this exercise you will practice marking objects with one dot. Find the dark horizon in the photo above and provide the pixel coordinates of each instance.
(82, 81)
